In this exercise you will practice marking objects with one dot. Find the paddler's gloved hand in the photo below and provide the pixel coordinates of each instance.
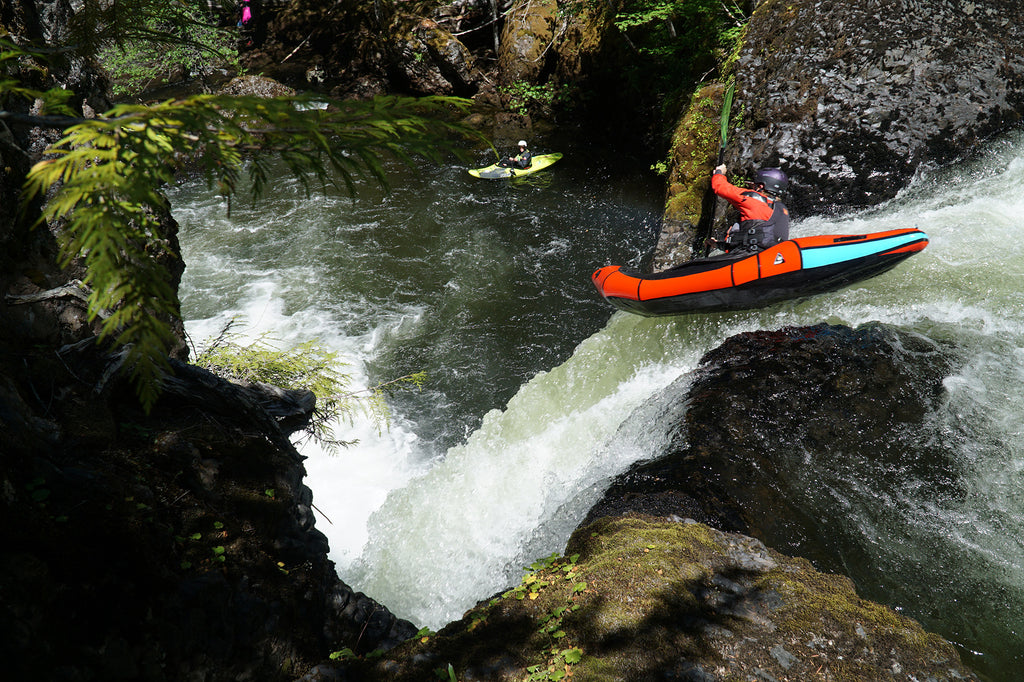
(720, 169)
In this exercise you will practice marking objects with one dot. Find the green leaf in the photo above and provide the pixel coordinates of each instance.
(343, 654)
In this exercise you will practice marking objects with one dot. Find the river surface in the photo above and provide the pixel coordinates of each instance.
(533, 383)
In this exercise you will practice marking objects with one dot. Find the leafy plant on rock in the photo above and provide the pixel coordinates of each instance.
(542, 574)
(306, 366)
(525, 96)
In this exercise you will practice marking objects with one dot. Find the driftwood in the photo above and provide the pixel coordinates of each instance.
(75, 289)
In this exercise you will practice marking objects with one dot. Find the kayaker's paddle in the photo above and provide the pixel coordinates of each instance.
(704, 238)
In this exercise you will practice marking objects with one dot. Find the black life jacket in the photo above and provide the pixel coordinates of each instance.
(755, 234)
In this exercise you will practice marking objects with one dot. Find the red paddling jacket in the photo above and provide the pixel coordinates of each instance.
(764, 220)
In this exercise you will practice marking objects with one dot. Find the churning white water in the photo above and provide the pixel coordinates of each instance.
(538, 394)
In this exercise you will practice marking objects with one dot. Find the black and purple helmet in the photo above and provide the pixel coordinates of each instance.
(773, 179)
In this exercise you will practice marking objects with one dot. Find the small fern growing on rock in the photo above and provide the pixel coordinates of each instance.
(309, 366)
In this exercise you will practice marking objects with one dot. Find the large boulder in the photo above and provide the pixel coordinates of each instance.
(855, 98)
(838, 445)
(174, 545)
(529, 30)
(743, 428)
(641, 598)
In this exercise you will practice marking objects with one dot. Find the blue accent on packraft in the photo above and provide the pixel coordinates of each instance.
(820, 256)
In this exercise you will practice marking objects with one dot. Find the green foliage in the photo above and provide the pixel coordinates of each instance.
(198, 553)
(306, 366)
(38, 491)
(525, 96)
(446, 673)
(680, 41)
(347, 654)
(101, 183)
(542, 574)
(156, 38)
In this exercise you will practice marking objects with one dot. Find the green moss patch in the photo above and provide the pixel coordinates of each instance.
(644, 598)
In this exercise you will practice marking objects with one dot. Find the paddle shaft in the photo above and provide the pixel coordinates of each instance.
(726, 108)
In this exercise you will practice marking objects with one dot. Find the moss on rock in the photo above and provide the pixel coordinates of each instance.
(692, 155)
(640, 598)
(528, 32)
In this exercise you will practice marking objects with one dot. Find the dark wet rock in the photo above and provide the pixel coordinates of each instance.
(769, 414)
(856, 98)
(163, 546)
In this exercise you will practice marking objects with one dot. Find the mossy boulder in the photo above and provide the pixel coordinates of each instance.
(528, 32)
(429, 60)
(693, 153)
(643, 598)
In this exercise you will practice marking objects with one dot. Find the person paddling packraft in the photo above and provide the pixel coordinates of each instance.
(764, 219)
(522, 160)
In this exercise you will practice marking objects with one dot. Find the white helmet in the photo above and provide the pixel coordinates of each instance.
(522, 143)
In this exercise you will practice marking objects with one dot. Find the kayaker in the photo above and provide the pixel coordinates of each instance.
(764, 219)
(522, 160)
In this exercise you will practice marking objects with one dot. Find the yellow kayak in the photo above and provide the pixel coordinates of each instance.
(496, 172)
